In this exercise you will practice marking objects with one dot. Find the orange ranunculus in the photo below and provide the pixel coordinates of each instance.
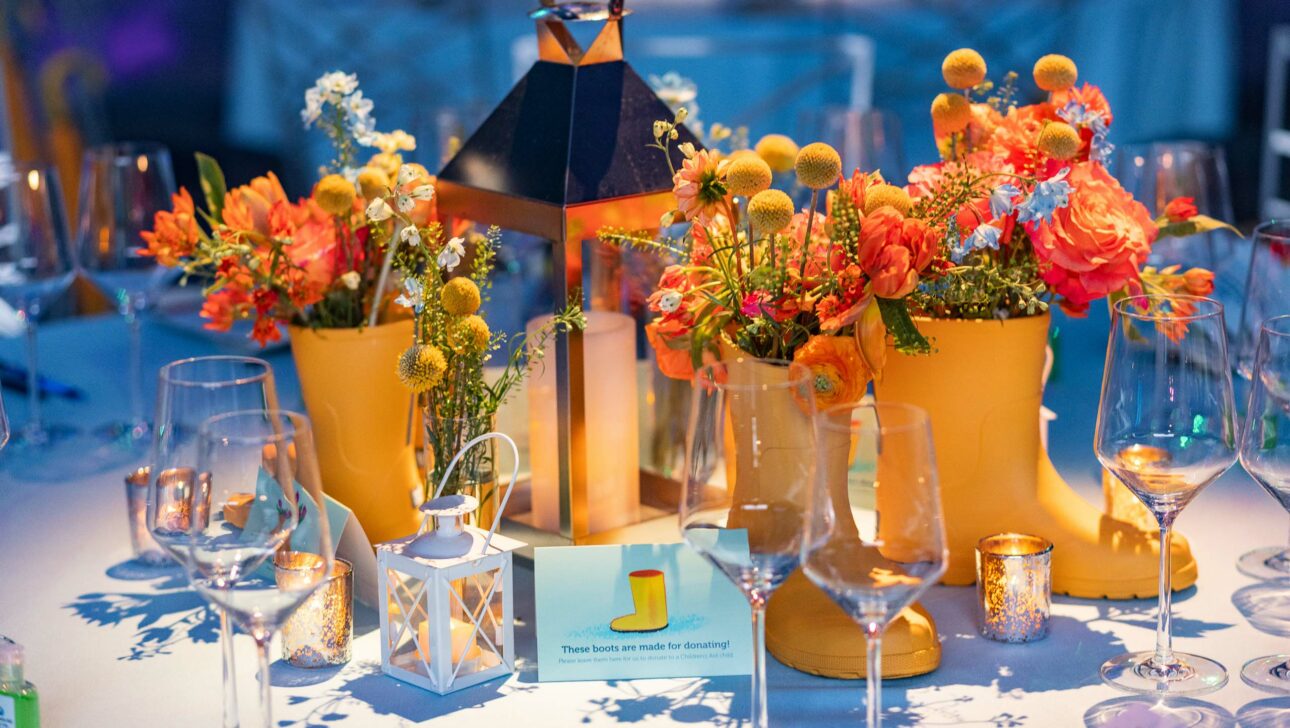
(1181, 209)
(1096, 244)
(675, 363)
(838, 372)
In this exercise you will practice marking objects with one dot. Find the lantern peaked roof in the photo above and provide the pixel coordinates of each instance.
(569, 148)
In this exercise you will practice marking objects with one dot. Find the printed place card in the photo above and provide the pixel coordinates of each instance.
(637, 611)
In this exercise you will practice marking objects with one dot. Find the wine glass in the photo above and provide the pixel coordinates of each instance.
(189, 392)
(1167, 391)
(1265, 454)
(35, 271)
(4, 425)
(868, 140)
(122, 187)
(1267, 294)
(875, 533)
(748, 463)
(1157, 172)
(251, 526)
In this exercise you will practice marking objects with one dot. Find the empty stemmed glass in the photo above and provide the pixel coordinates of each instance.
(122, 187)
(1267, 295)
(1167, 391)
(1265, 454)
(189, 392)
(875, 534)
(749, 458)
(251, 525)
(35, 271)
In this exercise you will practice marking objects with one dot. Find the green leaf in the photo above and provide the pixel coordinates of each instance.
(1192, 226)
(895, 314)
(213, 185)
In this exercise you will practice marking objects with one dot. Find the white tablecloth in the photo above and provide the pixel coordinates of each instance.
(108, 648)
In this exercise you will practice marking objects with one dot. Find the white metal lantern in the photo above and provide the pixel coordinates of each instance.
(448, 620)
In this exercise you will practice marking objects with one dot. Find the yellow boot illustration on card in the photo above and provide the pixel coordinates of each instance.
(649, 596)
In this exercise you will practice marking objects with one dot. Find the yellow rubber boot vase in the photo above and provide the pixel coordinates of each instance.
(359, 412)
(649, 597)
(983, 388)
(805, 629)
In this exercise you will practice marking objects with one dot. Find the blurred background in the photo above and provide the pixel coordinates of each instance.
(227, 77)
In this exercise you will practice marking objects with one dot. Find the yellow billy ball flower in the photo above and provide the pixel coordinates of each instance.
(950, 113)
(1055, 72)
(373, 182)
(886, 196)
(747, 175)
(778, 151)
(334, 194)
(818, 165)
(472, 335)
(1059, 140)
(963, 68)
(770, 211)
(421, 367)
(460, 297)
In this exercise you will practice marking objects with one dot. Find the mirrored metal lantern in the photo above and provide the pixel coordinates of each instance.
(566, 153)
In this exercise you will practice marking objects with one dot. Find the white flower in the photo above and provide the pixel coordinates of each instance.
(422, 192)
(379, 210)
(357, 107)
(410, 235)
(405, 203)
(450, 256)
(337, 85)
(351, 280)
(408, 173)
(669, 302)
(313, 106)
(413, 295)
(687, 149)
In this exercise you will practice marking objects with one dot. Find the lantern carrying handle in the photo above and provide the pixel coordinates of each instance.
(515, 474)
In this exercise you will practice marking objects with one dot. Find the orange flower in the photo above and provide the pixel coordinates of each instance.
(673, 353)
(1181, 209)
(1198, 281)
(246, 208)
(839, 374)
(1096, 244)
(700, 186)
(893, 250)
(174, 233)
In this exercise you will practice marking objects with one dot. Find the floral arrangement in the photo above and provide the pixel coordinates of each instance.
(1019, 212)
(318, 261)
(445, 363)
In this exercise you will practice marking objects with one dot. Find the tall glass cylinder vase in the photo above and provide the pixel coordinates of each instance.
(475, 473)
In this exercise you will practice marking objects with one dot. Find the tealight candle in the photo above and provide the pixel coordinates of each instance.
(146, 549)
(1014, 586)
(461, 633)
(320, 632)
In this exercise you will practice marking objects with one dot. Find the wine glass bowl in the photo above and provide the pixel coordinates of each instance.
(1265, 455)
(1166, 428)
(874, 537)
(749, 461)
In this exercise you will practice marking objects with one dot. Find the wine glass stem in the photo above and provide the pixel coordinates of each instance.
(873, 675)
(266, 692)
(1164, 629)
(132, 318)
(230, 672)
(759, 719)
(34, 430)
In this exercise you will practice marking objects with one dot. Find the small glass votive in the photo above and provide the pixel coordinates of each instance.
(146, 549)
(1014, 586)
(320, 632)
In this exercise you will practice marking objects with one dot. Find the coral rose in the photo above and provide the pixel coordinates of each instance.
(1095, 245)
(838, 372)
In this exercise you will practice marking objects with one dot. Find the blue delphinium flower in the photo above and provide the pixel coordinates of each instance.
(1001, 200)
(985, 236)
(1077, 114)
(1047, 196)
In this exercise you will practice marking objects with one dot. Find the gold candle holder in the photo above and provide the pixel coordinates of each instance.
(321, 631)
(1014, 586)
(146, 549)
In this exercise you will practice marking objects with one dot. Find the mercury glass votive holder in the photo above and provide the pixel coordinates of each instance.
(145, 547)
(321, 631)
(1014, 586)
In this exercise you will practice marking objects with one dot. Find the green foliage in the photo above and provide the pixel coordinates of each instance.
(213, 185)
